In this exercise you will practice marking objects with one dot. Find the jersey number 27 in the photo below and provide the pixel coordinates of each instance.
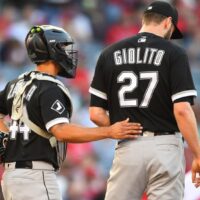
(129, 88)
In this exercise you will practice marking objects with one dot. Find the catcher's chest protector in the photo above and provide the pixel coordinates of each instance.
(19, 110)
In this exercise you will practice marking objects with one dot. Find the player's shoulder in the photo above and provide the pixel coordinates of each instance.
(118, 45)
(176, 49)
(11, 83)
(172, 48)
(42, 81)
(45, 85)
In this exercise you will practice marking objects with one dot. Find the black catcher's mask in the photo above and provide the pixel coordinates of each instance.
(48, 42)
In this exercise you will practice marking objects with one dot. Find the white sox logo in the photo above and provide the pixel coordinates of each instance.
(58, 107)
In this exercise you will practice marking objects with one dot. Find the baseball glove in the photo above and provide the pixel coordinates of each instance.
(3, 142)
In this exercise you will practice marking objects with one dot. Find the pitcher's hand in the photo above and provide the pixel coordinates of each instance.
(125, 130)
(196, 172)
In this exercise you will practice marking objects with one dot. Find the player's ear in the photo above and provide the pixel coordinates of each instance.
(143, 21)
(167, 22)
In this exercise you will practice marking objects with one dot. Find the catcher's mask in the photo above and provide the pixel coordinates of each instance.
(48, 42)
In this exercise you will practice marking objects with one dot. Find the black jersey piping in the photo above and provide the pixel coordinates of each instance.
(45, 185)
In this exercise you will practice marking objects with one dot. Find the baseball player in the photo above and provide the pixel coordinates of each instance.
(147, 78)
(40, 108)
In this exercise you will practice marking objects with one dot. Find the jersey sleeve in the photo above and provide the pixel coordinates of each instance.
(189, 99)
(54, 107)
(98, 102)
(181, 79)
(98, 85)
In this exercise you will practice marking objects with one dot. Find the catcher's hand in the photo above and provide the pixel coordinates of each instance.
(125, 130)
(3, 142)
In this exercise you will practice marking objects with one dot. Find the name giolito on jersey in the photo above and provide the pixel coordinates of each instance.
(134, 56)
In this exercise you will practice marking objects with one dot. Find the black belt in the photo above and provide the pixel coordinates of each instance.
(153, 133)
(24, 165)
(29, 165)
(157, 133)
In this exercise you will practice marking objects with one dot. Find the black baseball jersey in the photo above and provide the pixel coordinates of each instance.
(47, 105)
(140, 78)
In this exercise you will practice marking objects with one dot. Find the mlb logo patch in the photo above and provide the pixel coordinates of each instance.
(58, 107)
(142, 39)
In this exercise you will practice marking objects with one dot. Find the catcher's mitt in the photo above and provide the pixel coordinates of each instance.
(3, 142)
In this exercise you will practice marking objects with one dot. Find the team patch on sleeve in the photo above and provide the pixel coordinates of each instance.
(58, 107)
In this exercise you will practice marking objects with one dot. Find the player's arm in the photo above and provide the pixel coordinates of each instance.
(77, 134)
(3, 126)
(3, 111)
(98, 111)
(55, 114)
(98, 90)
(99, 116)
(183, 87)
(188, 127)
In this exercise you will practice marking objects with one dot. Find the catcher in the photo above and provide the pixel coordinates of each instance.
(40, 108)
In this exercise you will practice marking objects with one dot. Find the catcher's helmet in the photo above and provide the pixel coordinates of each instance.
(48, 42)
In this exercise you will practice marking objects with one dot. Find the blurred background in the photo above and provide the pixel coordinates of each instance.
(93, 24)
